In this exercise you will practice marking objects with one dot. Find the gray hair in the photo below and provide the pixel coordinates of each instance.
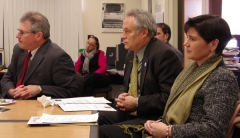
(144, 19)
(39, 23)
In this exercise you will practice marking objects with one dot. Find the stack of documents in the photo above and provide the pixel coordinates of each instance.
(231, 53)
(62, 119)
(84, 103)
(74, 104)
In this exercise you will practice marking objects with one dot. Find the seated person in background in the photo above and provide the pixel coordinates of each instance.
(38, 66)
(92, 64)
(164, 34)
(203, 97)
(151, 68)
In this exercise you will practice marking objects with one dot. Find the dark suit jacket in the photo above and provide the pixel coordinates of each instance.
(160, 67)
(51, 67)
(178, 53)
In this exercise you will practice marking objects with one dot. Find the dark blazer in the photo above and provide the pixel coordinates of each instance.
(160, 67)
(178, 53)
(51, 67)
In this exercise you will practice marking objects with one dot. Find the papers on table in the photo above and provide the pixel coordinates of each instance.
(84, 103)
(55, 119)
(82, 100)
(81, 107)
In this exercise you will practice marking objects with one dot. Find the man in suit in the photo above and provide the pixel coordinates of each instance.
(158, 66)
(164, 34)
(49, 71)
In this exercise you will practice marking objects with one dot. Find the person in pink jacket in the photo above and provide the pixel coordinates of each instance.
(92, 64)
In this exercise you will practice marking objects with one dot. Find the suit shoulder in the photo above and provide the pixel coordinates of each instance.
(160, 47)
(56, 49)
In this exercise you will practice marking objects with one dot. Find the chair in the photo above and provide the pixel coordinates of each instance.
(80, 83)
(234, 123)
(111, 57)
(104, 90)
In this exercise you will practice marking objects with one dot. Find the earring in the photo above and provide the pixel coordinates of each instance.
(212, 50)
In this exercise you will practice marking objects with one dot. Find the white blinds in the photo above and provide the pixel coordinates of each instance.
(65, 17)
(230, 12)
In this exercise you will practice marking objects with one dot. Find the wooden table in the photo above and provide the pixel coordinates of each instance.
(13, 123)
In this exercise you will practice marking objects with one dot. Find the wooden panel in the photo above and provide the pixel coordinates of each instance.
(22, 130)
(215, 7)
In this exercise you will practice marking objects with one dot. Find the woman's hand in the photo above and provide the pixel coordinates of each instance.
(157, 129)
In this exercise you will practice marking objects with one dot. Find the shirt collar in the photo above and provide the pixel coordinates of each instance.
(140, 53)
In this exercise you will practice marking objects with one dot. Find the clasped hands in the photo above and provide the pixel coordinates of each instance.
(126, 102)
(24, 92)
(156, 129)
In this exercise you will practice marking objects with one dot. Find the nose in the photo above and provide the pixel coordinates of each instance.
(123, 36)
(18, 35)
(186, 44)
(87, 46)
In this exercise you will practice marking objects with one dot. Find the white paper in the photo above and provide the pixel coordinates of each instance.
(51, 119)
(82, 107)
(159, 17)
(46, 101)
(82, 100)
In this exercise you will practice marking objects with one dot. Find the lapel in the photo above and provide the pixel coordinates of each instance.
(145, 64)
(36, 61)
(129, 69)
(20, 65)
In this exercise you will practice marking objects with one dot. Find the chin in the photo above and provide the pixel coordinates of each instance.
(189, 57)
(21, 46)
(126, 47)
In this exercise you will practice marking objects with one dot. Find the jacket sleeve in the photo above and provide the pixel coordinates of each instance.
(64, 83)
(9, 79)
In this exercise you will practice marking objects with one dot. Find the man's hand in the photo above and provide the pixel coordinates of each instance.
(120, 100)
(130, 103)
(125, 102)
(17, 93)
(11, 92)
(26, 92)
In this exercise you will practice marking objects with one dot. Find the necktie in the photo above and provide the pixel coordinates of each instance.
(133, 90)
(24, 68)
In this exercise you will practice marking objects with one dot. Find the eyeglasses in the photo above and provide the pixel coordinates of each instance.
(88, 43)
(21, 33)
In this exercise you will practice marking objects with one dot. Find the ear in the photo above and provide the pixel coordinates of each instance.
(166, 36)
(214, 44)
(39, 35)
(144, 32)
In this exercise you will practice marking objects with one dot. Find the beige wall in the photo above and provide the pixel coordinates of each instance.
(92, 18)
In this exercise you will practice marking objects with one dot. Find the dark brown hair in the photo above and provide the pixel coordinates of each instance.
(96, 39)
(211, 27)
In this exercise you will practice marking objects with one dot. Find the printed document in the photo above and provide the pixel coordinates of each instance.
(81, 100)
(49, 119)
(82, 107)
